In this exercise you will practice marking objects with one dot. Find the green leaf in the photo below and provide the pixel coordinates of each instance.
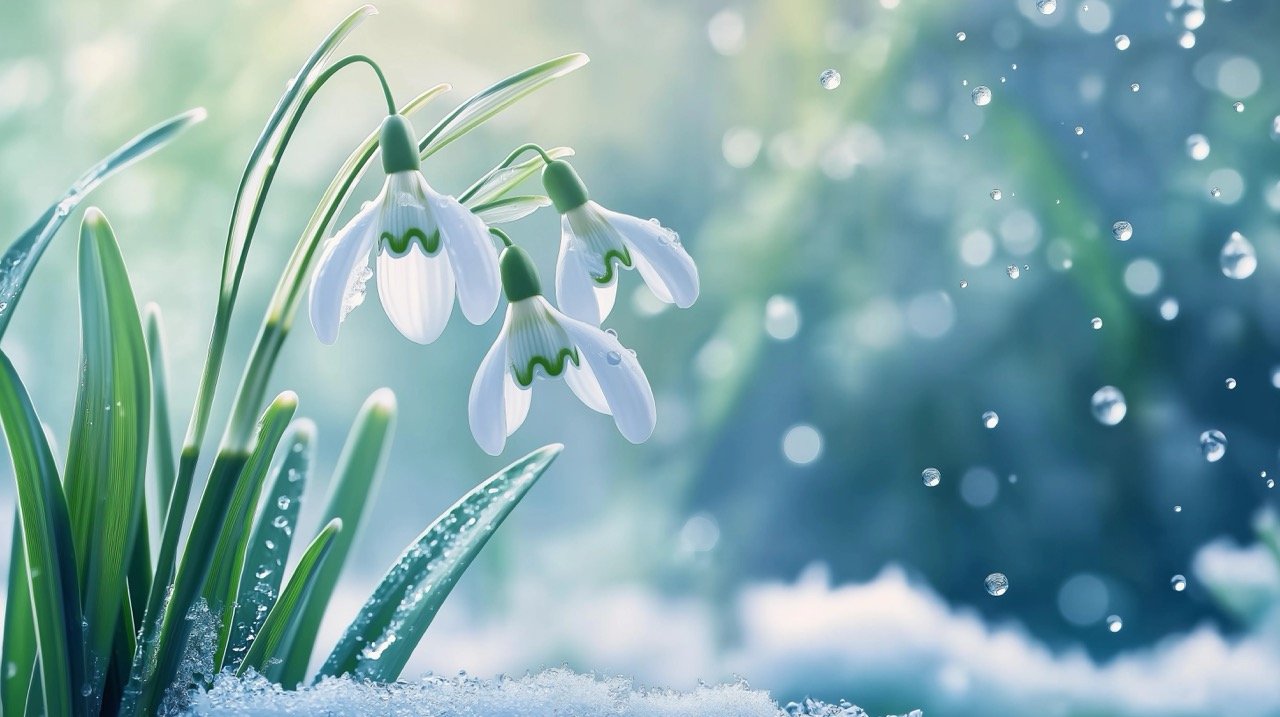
(227, 561)
(385, 632)
(487, 103)
(18, 652)
(21, 258)
(107, 452)
(269, 545)
(50, 553)
(285, 618)
(509, 209)
(163, 452)
(498, 181)
(354, 481)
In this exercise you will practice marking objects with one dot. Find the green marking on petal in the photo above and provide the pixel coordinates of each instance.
(399, 245)
(553, 367)
(622, 257)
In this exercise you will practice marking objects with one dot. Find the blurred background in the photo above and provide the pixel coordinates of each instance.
(884, 259)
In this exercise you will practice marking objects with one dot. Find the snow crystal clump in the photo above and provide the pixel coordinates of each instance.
(558, 692)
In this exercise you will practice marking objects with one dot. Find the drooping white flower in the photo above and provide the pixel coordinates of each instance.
(596, 242)
(537, 340)
(429, 248)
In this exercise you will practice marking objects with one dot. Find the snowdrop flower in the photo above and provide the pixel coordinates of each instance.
(536, 340)
(595, 242)
(429, 247)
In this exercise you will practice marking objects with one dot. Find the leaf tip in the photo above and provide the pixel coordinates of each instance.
(195, 115)
(368, 9)
(304, 430)
(286, 401)
(382, 401)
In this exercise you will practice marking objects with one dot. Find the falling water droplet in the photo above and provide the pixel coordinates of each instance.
(1213, 444)
(829, 79)
(1135, 87)
(1079, 130)
(964, 284)
(961, 36)
(1122, 231)
(1169, 309)
(1047, 7)
(1187, 40)
(1197, 147)
(1178, 583)
(1231, 384)
(931, 476)
(1238, 258)
(1177, 509)
(1108, 405)
(1215, 192)
(981, 95)
(1271, 483)
(1096, 322)
(1122, 42)
(1114, 623)
(1013, 271)
(990, 419)
(997, 584)
(996, 195)
(1238, 106)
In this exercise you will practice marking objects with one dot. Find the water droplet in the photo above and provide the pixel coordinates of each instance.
(1096, 322)
(931, 476)
(1213, 444)
(961, 36)
(1197, 147)
(1215, 192)
(964, 136)
(996, 195)
(996, 583)
(1122, 231)
(1079, 130)
(1238, 106)
(1231, 386)
(283, 502)
(1108, 405)
(1178, 583)
(613, 357)
(262, 573)
(990, 419)
(829, 79)
(1271, 483)
(1047, 7)
(1177, 509)
(1169, 309)
(1135, 87)
(355, 288)
(1187, 40)
(1013, 271)
(1238, 259)
(1114, 623)
(1122, 42)
(964, 284)
(981, 95)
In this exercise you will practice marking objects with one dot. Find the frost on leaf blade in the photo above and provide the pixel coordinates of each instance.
(379, 642)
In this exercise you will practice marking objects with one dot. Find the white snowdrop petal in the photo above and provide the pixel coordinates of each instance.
(622, 382)
(486, 404)
(516, 401)
(577, 293)
(668, 263)
(416, 292)
(584, 385)
(329, 285)
(471, 252)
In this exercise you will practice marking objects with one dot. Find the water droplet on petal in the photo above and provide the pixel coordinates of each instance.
(997, 584)
(613, 357)
(1238, 258)
(990, 419)
(1108, 405)
(981, 95)
(1178, 583)
(931, 476)
(1213, 444)
(829, 79)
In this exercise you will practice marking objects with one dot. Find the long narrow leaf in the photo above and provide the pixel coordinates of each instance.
(354, 482)
(18, 652)
(25, 252)
(387, 629)
(489, 102)
(269, 546)
(509, 209)
(107, 453)
(164, 455)
(500, 180)
(284, 620)
(50, 554)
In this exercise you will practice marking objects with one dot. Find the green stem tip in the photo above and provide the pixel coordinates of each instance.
(519, 277)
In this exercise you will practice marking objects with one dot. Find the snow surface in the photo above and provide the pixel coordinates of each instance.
(558, 692)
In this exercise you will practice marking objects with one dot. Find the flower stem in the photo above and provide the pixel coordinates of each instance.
(506, 240)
